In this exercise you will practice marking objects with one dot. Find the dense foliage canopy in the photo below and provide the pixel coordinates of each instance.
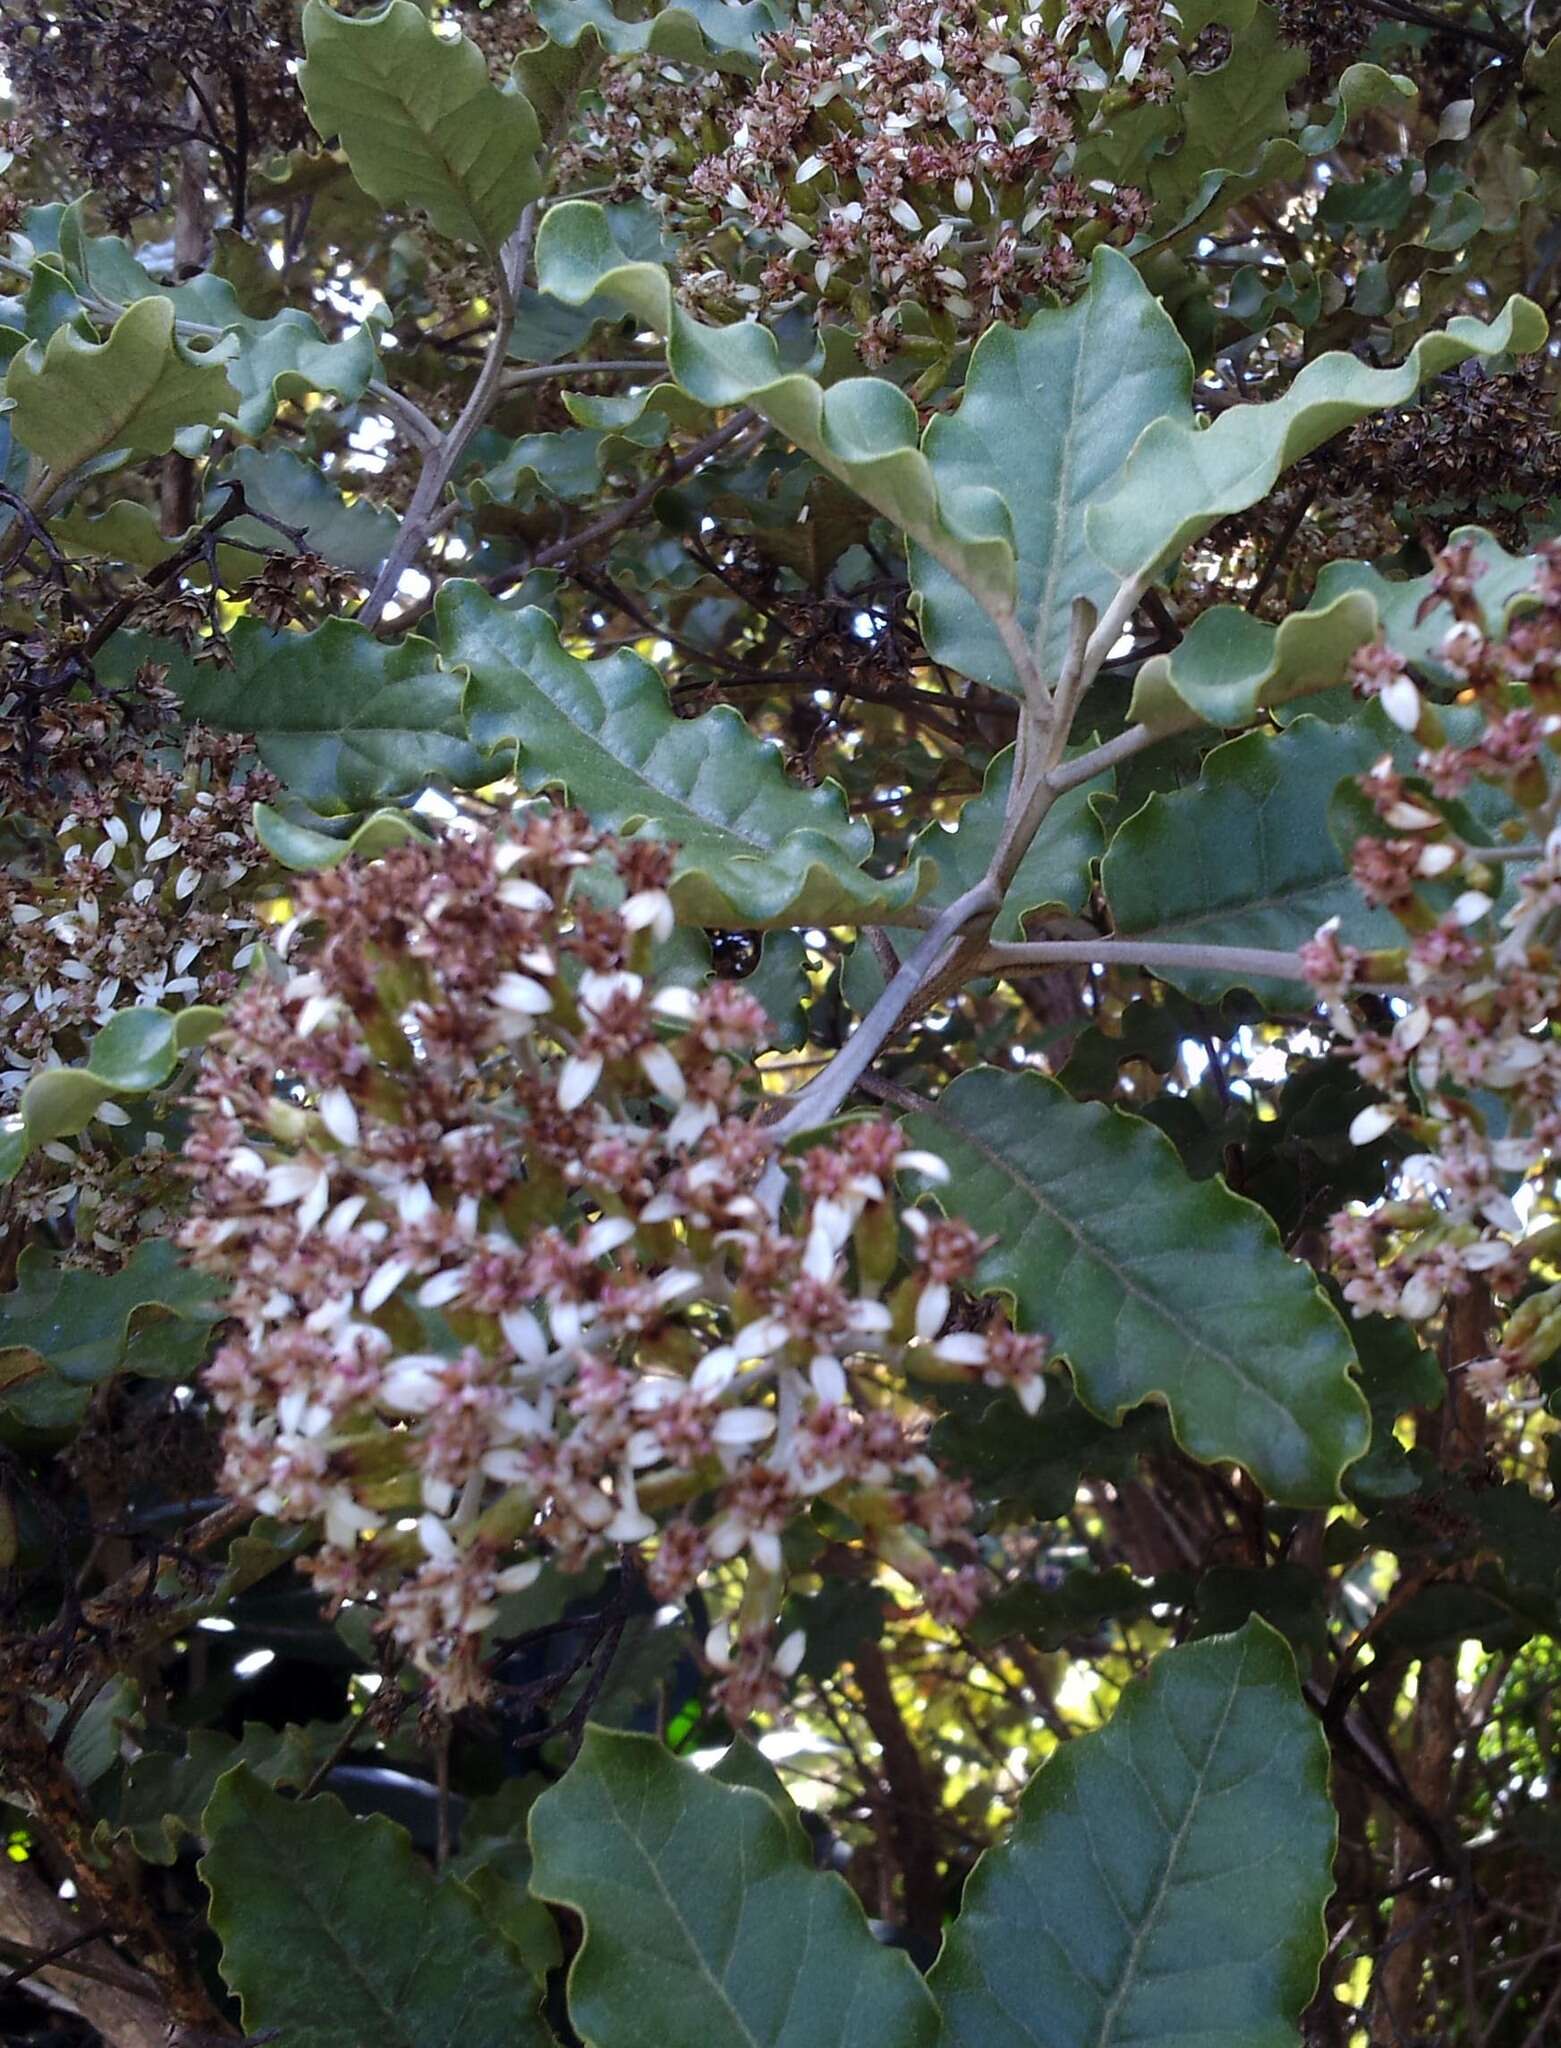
(780, 1023)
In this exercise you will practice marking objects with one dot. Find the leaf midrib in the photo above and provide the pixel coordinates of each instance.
(1126, 1982)
(1090, 1248)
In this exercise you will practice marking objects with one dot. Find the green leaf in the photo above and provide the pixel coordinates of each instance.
(356, 534)
(422, 126)
(1151, 1285)
(134, 1053)
(755, 848)
(64, 1331)
(746, 1764)
(1179, 479)
(494, 1864)
(723, 33)
(1244, 857)
(1165, 1879)
(267, 360)
(306, 848)
(60, 1103)
(337, 1934)
(344, 719)
(1229, 666)
(862, 430)
(1049, 415)
(164, 1793)
(76, 399)
(135, 1050)
(1230, 113)
(698, 1896)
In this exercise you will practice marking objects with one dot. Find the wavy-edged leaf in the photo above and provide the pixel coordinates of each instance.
(344, 719)
(64, 1331)
(1165, 1877)
(164, 1793)
(1050, 413)
(136, 1051)
(721, 33)
(355, 534)
(698, 1895)
(1244, 856)
(75, 400)
(1150, 1284)
(1502, 582)
(1179, 479)
(421, 123)
(300, 843)
(337, 1934)
(1361, 88)
(1229, 667)
(1231, 113)
(755, 848)
(862, 430)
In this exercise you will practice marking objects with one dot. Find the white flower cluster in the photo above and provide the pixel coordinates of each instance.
(514, 1277)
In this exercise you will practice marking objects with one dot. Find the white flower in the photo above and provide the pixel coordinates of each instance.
(1371, 1124)
(339, 1115)
(932, 1310)
(735, 1428)
(662, 1071)
(577, 1079)
(961, 1347)
(606, 1236)
(383, 1282)
(518, 1578)
(1401, 702)
(521, 995)
(649, 909)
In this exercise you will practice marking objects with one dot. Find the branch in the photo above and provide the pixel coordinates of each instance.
(1085, 767)
(547, 373)
(1147, 952)
(956, 933)
(443, 458)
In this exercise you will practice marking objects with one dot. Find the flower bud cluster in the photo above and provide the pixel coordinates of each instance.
(516, 1276)
(127, 848)
(919, 157)
(1467, 1066)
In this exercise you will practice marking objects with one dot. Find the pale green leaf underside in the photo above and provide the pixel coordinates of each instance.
(1230, 666)
(724, 33)
(269, 360)
(862, 430)
(334, 1931)
(1244, 856)
(1049, 415)
(1151, 1285)
(76, 399)
(1164, 1882)
(136, 1051)
(704, 1921)
(1180, 480)
(754, 847)
(421, 124)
